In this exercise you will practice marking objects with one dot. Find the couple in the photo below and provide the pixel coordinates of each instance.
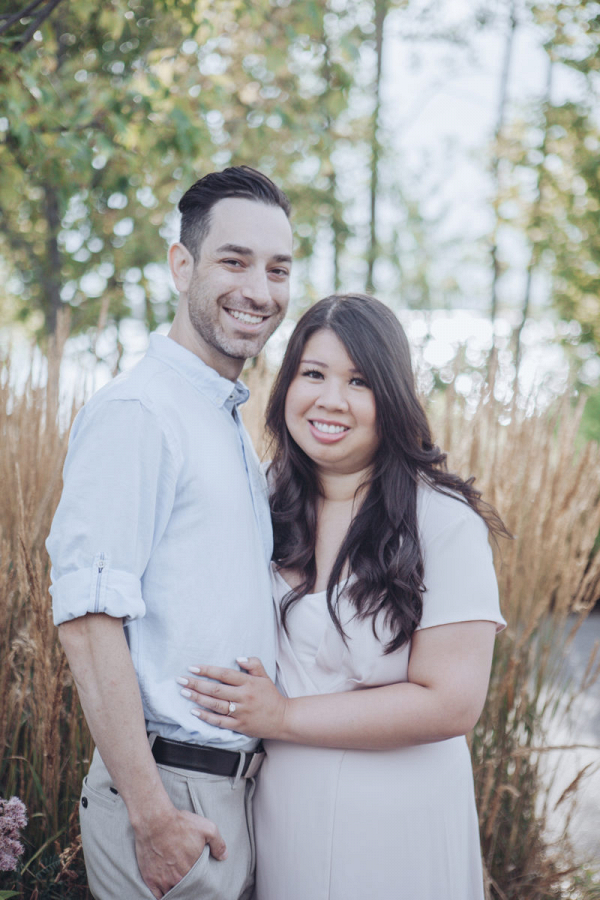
(371, 598)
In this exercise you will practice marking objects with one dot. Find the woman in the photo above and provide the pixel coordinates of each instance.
(387, 610)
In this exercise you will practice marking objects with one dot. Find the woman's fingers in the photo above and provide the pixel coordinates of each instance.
(222, 683)
(195, 688)
(252, 665)
(229, 698)
(217, 673)
(214, 719)
(220, 707)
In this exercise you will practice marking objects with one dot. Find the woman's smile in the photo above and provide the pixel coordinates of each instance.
(327, 432)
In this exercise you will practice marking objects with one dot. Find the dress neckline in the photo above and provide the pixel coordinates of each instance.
(290, 588)
(341, 585)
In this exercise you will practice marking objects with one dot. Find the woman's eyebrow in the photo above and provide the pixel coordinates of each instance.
(316, 362)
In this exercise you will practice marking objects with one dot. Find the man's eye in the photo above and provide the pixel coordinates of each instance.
(232, 262)
(281, 273)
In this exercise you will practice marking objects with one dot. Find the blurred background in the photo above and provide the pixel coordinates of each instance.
(441, 154)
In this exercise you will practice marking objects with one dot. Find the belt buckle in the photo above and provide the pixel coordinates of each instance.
(255, 764)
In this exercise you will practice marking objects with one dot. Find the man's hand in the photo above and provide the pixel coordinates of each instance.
(169, 848)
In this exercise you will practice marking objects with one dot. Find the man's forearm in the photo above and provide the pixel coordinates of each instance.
(109, 694)
(168, 841)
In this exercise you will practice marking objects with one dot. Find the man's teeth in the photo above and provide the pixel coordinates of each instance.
(246, 317)
(329, 429)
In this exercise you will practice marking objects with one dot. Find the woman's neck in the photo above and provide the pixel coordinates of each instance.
(342, 488)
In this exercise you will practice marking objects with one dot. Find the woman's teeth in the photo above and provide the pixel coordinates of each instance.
(246, 317)
(329, 429)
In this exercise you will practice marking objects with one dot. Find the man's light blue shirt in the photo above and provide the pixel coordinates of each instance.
(164, 521)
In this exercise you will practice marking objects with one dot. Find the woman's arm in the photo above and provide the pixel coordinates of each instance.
(448, 677)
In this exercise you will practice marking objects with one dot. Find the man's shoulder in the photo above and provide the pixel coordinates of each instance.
(140, 388)
(144, 383)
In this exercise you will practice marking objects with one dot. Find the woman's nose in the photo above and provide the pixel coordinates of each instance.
(332, 396)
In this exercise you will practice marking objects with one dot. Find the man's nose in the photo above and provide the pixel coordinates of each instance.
(256, 287)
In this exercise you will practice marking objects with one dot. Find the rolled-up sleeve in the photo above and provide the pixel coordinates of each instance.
(119, 486)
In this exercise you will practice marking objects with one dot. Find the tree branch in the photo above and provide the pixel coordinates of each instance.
(31, 30)
(11, 19)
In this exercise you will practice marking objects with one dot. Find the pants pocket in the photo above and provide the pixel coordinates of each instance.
(97, 794)
(196, 876)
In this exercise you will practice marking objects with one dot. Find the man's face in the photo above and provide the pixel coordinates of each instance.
(239, 289)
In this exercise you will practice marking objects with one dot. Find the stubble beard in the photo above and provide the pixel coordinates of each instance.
(211, 332)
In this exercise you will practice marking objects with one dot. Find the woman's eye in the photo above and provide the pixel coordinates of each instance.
(312, 373)
(359, 382)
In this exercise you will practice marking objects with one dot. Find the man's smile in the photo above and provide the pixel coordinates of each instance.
(246, 317)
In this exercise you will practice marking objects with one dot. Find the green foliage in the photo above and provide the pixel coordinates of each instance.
(590, 421)
(108, 112)
(551, 158)
(111, 111)
(562, 221)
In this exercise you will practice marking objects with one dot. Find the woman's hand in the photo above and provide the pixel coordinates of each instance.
(247, 702)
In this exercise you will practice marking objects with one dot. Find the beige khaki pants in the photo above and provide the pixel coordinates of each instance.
(108, 844)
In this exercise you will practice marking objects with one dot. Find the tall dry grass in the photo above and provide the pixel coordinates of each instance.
(547, 489)
(548, 492)
(44, 742)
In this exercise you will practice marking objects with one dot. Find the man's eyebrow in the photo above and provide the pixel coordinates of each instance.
(247, 251)
(235, 248)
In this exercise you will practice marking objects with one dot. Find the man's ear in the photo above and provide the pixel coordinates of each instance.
(181, 263)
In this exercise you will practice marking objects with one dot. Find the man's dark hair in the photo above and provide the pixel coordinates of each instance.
(237, 181)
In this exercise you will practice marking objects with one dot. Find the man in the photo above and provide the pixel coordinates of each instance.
(160, 549)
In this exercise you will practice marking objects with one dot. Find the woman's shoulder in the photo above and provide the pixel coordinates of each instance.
(438, 511)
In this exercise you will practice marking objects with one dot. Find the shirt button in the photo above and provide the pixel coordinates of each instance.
(232, 396)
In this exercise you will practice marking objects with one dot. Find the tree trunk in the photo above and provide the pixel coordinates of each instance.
(500, 122)
(52, 278)
(338, 226)
(534, 254)
(381, 10)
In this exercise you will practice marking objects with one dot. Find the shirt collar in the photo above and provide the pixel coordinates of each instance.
(217, 389)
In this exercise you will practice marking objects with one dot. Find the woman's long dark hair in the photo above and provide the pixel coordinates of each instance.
(381, 548)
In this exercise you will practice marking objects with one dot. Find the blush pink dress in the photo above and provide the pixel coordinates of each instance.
(375, 825)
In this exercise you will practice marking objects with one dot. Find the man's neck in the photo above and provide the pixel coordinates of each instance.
(183, 332)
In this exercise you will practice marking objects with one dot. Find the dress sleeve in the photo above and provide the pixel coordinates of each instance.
(460, 581)
(119, 487)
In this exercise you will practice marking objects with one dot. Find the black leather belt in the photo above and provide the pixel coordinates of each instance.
(207, 759)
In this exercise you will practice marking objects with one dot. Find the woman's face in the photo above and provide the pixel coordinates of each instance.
(330, 409)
